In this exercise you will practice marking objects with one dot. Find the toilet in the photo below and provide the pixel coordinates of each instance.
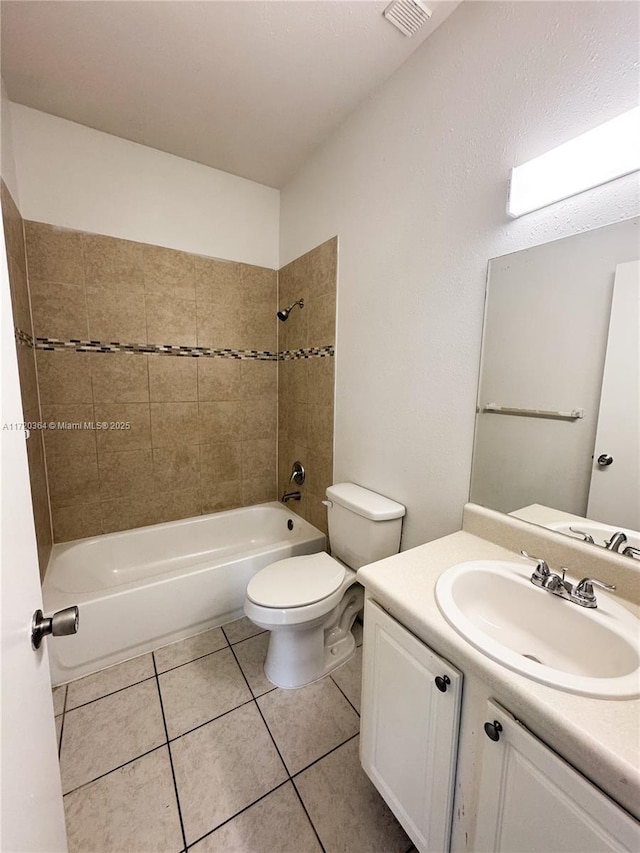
(309, 603)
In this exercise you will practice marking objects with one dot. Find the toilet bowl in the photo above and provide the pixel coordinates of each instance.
(309, 603)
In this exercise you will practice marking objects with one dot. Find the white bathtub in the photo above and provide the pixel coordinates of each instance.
(143, 588)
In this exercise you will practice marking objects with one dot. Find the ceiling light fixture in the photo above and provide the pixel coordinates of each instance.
(609, 151)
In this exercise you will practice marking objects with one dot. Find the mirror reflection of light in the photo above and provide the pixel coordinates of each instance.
(602, 154)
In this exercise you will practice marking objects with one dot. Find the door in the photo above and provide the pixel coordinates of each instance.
(32, 813)
(531, 800)
(614, 495)
(409, 728)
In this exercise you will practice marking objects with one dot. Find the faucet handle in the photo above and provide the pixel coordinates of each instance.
(583, 590)
(542, 569)
(585, 536)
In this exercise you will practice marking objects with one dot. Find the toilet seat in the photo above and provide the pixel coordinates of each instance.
(296, 581)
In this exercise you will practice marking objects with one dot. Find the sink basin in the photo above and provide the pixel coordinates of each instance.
(496, 608)
(600, 532)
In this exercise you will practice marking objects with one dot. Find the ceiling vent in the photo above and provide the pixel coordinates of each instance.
(407, 15)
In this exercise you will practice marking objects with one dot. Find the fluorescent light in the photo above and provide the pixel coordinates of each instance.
(593, 158)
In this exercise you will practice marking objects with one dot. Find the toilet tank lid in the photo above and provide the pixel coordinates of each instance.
(364, 502)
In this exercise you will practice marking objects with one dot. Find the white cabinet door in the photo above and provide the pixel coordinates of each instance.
(531, 801)
(409, 728)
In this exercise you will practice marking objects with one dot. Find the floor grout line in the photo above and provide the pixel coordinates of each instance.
(111, 693)
(113, 770)
(277, 748)
(173, 773)
(212, 720)
(237, 814)
(345, 695)
(324, 755)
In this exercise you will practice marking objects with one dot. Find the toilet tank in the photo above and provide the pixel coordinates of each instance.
(363, 525)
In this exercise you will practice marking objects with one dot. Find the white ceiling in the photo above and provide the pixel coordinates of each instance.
(244, 86)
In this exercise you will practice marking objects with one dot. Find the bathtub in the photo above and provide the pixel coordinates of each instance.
(147, 587)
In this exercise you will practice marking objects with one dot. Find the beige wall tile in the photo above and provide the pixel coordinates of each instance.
(76, 522)
(322, 321)
(112, 262)
(118, 317)
(69, 441)
(176, 505)
(171, 321)
(320, 430)
(54, 254)
(73, 479)
(219, 379)
(119, 377)
(137, 437)
(323, 263)
(259, 458)
(59, 310)
(320, 375)
(294, 281)
(259, 379)
(136, 512)
(127, 513)
(218, 327)
(221, 496)
(259, 419)
(257, 328)
(259, 284)
(64, 377)
(13, 228)
(28, 382)
(174, 424)
(293, 332)
(217, 281)
(220, 422)
(220, 463)
(124, 473)
(293, 380)
(39, 497)
(169, 272)
(292, 421)
(173, 379)
(259, 490)
(176, 468)
(319, 468)
(19, 296)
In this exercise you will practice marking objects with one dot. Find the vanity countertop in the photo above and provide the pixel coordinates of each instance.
(600, 737)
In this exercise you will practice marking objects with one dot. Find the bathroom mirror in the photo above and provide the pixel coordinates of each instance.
(559, 382)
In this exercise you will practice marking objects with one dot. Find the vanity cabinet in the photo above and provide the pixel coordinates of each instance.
(518, 794)
(409, 727)
(530, 799)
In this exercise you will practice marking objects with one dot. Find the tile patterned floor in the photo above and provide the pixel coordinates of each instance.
(192, 748)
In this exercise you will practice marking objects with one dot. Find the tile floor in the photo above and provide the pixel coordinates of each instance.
(192, 748)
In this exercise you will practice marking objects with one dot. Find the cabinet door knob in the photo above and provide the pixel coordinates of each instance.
(492, 730)
(442, 681)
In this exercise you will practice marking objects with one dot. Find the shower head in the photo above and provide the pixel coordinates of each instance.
(283, 313)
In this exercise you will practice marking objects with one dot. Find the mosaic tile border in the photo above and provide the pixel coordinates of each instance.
(77, 345)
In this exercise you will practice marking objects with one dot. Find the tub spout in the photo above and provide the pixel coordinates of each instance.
(291, 496)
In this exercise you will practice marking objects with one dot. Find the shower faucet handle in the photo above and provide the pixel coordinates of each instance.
(297, 474)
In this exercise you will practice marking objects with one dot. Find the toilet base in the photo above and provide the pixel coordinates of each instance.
(303, 653)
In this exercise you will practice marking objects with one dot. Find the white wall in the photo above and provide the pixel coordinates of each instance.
(73, 176)
(415, 185)
(7, 165)
(544, 347)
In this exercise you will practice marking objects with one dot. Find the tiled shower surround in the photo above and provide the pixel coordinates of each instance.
(183, 350)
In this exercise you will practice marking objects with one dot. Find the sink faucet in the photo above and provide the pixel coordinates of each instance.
(581, 594)
(616, 542)
(634, 553)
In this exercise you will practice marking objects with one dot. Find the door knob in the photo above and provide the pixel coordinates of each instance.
(492, 730)
(604, 459)
(62, 623)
